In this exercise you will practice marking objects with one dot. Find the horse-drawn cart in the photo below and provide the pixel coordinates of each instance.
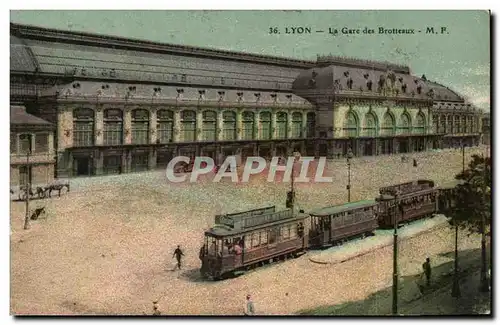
(41, 191)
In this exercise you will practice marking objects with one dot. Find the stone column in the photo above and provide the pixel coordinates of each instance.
(177, 126)
(239, 124)
(219, 135)
(199, 126)
(289, 124)
(99, 126)
(304, 124)
(256, 127)
(152, 126)
(127, 126)
(273, 124)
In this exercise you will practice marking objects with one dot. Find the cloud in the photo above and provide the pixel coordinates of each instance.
(480, 70)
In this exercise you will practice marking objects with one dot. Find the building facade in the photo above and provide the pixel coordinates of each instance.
(30, 132)
(122, 105)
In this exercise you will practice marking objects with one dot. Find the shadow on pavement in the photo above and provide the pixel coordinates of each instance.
(411, 289)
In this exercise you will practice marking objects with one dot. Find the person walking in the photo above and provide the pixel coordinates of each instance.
(249, 307)
(427, 270)
(178, 255)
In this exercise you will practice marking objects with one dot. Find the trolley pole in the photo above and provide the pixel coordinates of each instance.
(484, 278)
(395, 259)
(28, 186)
(349, 157)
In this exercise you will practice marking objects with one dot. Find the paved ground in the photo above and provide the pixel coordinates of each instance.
(106, 247)
(382, 238)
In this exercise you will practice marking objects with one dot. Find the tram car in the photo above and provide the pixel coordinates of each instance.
(242, 241)
(336, 224)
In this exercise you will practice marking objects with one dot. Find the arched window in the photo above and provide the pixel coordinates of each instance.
(113, 127)
(469, 124)
(83, 127)
(435, 123)
(165, 126)
(229, 125)
(310, 125)
(456, 124)
(463, 128)
(281, 125)
(370, 127)
(188, 126)
(404, 127)
(265, 126)
(247, 125)
(296, 125)
(350, 125)
(388, 125)
(140, 126)
(419, 124)
(209, 125)
(449, 124)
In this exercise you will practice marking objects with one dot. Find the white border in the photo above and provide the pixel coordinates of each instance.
(185, 4)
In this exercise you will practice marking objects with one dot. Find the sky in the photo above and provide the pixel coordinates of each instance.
(458, 58)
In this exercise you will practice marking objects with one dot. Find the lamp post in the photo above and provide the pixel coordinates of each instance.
(397, 209)
(28, 185)
(455, 289)
(349, 157)
(484, 287)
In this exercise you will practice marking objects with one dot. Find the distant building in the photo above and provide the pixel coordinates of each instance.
(121, 105)
(486, 129)
(42, 158)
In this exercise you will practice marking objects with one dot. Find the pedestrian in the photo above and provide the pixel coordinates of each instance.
(427, 270)
(249, 307)
(415, 164)
(178, 255)
(156, 312)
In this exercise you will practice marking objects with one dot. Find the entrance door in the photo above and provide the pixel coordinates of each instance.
(403, 146)
(81, 166)
(368, 148)
(323, 149)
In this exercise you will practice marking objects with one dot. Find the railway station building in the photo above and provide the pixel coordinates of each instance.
(121, 105)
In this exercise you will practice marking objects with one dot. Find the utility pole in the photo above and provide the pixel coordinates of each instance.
(484, 278)
(455, 289)
(349, 157)
(28, 185)
(290, 204)
(397, 208)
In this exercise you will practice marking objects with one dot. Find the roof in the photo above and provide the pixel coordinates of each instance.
(19, 116)
(222, 231)
(341, 79)
(327, 211)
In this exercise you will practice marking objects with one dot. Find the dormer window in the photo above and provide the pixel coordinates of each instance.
(400, 79)
(183, 78)
(349, 83)
(180, 91)
(369, 85)
(403, 88)
(366, 75)
(419, 90)
(346, 74)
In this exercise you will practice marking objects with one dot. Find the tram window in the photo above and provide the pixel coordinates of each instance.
(263, 238)
(255, 240)
(272, 236)
(285, 232)
(248, 241)
(293, 231)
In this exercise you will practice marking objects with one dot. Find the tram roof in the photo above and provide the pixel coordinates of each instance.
(327, 211)
(224, 231)
(451, 184)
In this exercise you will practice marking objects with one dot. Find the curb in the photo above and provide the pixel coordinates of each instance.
(323, 262)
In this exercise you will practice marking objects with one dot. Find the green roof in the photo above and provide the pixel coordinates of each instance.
(326, 211)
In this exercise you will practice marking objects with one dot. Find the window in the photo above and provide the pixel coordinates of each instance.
(281, 125)
(296, 125)
(285, 232)
(188, 126)
(293, 231)
(420, 124)
(113, 127)
(255, 240)
(165, 126)
(265, 126)
(13, 143)
(248, 126)
(370, 127)
(435, 124)
(350, 125)
(24, 143)
(449, 123)
(83, 127)
(464, 124)
(456, 124)
(388, 125)
(310, 125)
(209, 125)
(229, 125)
(404, 127)
(41, 143)
(263, 238)
(140, 126)
(272, 236)
(23, 175)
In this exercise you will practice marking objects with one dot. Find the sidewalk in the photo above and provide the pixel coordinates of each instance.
(382, 238)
